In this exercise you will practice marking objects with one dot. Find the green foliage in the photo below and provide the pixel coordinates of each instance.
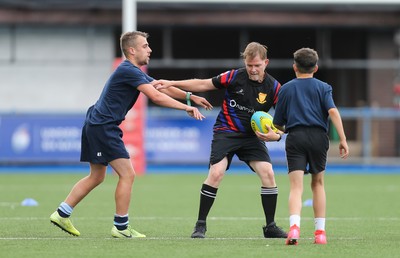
(363, 218)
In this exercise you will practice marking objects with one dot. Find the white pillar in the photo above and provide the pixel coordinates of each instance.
(129, 15)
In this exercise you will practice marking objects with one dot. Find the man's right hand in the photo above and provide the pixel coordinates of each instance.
(195, 113)
(161, 84)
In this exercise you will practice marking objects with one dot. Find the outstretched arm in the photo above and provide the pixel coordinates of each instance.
(176, 93)
(164, 100)
(337, 122)
(195, 85)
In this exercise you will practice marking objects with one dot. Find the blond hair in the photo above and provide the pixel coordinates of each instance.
(128, 39)
(254, 49)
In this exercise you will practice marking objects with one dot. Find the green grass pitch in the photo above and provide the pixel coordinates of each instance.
(363, 218)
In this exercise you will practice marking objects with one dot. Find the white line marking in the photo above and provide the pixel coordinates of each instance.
(210, 218)
(166, 238)
(9, 204)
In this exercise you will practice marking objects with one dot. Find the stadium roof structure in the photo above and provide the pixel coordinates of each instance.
(117, 4)
(206, 12)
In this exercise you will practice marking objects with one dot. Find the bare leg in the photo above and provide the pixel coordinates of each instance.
(126, 173)
(265, 173)
(319, 205)
(319, 197)
(216, 173)
(86, 184)
(296, 191)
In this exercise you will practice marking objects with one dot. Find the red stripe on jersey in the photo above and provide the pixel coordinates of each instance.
(231, 74)
(228, 117)
(226, 78)
(276, 91)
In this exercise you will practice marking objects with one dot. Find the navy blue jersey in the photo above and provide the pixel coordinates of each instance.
(118, 96)
(304, 102)
(242, 98)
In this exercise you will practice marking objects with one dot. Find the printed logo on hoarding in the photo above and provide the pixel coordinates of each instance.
(20, 139)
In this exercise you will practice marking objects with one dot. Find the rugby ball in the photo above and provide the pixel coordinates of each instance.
(259, 120)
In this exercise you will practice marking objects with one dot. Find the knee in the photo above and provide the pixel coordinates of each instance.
(267, 174)
(98, 179)
(215, 177)
(130, 175)
(267, 178)
(315, 183)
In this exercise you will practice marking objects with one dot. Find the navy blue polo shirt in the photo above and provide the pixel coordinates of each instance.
(304, 102)
(118, 96)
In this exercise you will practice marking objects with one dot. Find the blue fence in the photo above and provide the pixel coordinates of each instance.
(171, 137)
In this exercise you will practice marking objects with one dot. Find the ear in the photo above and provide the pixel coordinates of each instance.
(315, 68)
(295, 68)
(131, 51)
(266, 62)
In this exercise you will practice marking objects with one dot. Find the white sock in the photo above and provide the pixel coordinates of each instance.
(319, 223)
(294, 220)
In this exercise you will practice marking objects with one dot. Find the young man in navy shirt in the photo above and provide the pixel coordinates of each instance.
(102, 143)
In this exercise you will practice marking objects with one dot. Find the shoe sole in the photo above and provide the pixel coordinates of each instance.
(291, 242)
(198, 237)
(55, 224)
(275, 236)
(122, 237)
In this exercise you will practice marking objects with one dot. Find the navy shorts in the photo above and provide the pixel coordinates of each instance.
(102, 144)
(246, 148)
(306, 149)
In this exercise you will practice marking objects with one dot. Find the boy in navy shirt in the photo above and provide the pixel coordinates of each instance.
(304, 105)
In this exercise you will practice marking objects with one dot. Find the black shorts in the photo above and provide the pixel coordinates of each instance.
(102, 144)
(306, 149)
(246, 148)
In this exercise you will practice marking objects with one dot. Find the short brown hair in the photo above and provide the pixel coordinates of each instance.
(128, 39)
(305, 59)
(253, 49)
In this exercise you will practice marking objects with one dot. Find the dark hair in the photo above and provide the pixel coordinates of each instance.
(128, 39)
(305, 59)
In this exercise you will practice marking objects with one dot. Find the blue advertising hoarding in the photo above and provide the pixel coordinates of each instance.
(178, 140)
(55, 138)
(40, 137)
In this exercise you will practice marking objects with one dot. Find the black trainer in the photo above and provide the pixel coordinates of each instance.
(200, 229)
(273, 231)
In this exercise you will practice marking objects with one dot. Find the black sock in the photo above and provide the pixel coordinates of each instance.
(121, 222)
(269, 198)
(207, 197)
(62, 214)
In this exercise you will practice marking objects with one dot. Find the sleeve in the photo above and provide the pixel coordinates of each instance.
(149, 78)
(279, 117)
(328, 98)
(136, 77)
(224, 79)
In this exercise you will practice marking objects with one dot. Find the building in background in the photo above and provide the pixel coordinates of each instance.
(56, 55)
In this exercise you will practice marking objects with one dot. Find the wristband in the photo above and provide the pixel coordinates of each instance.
(188, 94)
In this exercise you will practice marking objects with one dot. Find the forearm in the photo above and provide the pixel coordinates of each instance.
(167, 101)
(175, 93)
(337, 122)
(194, 85)
(186, 96)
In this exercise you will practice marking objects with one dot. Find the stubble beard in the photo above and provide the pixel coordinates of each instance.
(255, 77)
